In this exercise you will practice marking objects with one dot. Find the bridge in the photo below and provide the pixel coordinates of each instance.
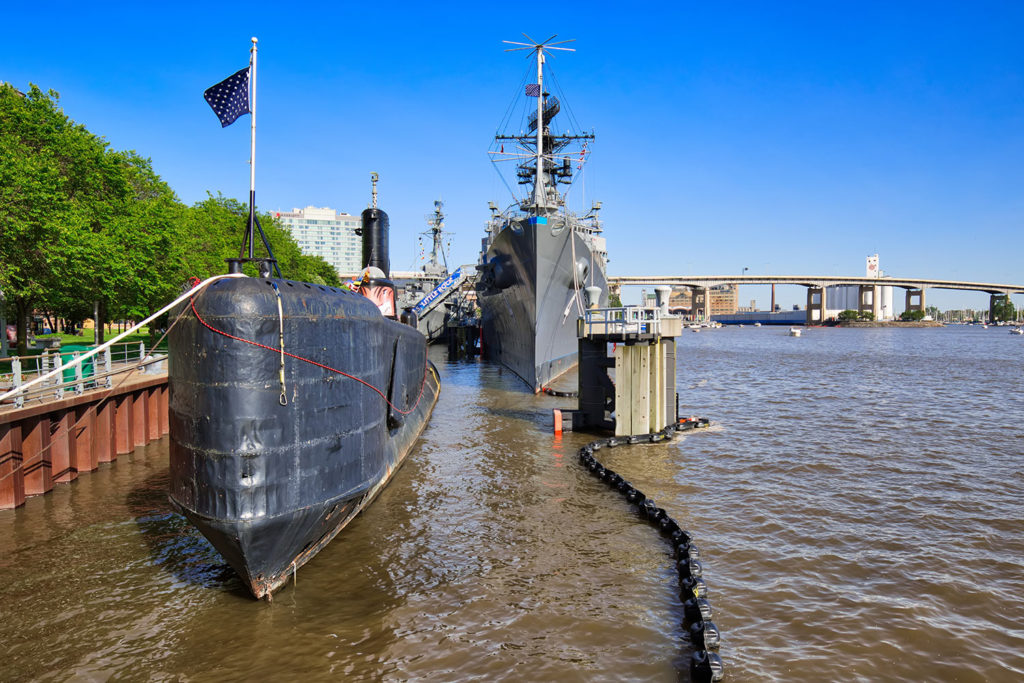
(869, 300)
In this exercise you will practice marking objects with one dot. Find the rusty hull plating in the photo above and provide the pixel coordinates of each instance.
(270, 484)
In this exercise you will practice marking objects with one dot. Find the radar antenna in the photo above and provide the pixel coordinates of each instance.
(539, 196)
(543, 165)
(436, 233)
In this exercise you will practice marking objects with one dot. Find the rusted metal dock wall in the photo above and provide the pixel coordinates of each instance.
(54, 442)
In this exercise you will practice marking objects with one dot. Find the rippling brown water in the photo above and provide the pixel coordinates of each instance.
(859, 505)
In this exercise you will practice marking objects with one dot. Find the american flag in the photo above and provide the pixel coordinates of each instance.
(533, 89)
(229, 99)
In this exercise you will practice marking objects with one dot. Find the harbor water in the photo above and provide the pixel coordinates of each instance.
(858, 502)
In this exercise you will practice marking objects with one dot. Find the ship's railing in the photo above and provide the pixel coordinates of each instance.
(96, 372)
(629, 320)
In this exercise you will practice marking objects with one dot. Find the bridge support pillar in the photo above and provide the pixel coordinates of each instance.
(866, 299)
(815, 305)
(993, 301)
(915, 300)
(699, 303)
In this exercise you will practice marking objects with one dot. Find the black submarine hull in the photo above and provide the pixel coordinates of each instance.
(269, 470)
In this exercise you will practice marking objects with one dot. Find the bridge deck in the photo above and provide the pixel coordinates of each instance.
(813, 281)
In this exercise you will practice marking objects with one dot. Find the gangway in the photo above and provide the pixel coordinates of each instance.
(430, 310)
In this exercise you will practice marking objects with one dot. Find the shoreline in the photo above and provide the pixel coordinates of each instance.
(891, 323)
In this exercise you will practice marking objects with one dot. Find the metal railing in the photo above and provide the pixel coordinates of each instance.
(96, 372)
(55, 375)
(625, 320)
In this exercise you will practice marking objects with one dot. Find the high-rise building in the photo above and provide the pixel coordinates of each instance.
(324, 232)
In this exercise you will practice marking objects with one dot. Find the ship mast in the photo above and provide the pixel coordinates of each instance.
(540, 198)
(538, 186)
(436, 232)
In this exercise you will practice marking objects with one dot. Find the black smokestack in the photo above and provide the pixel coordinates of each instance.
(375, 240)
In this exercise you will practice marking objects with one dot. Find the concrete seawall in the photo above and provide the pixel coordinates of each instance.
(49, 443)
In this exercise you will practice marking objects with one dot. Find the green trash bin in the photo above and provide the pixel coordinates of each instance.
(67, 354)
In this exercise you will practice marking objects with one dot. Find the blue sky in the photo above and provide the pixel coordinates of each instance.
(787, 138)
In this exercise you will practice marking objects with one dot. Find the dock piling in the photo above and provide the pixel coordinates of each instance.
(641, 399)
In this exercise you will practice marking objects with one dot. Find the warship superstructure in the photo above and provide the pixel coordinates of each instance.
(541, 265)
(437, 297)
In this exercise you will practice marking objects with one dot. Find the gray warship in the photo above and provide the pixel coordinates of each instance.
(541, 265)
(437, 298)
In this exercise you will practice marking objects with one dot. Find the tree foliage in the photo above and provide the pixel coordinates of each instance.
(914, 316)
(82, 223)
(1003, 309)
(850, 315)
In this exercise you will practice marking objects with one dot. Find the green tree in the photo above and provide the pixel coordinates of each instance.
(218, 227)
(84, 225)
(55, 182)
(1003, 310)
(152, 238)
(908, 316)
(848, 315)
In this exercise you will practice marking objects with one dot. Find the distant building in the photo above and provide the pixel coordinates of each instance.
(326, 233)
(722, 300)
(839, 298)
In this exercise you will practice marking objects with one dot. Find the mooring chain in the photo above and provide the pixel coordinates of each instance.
(705, 665)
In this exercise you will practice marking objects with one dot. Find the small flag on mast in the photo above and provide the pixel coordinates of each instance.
(229, 99)
(533, 89)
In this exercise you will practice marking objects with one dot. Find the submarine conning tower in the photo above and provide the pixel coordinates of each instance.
(375, 235)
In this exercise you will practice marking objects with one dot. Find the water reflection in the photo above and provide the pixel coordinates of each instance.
(175, 545)
(858, 504)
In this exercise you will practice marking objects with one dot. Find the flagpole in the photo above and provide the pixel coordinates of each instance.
(252, 143)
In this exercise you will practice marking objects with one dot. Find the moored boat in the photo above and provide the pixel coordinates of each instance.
(541, 265)
(292, 405)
